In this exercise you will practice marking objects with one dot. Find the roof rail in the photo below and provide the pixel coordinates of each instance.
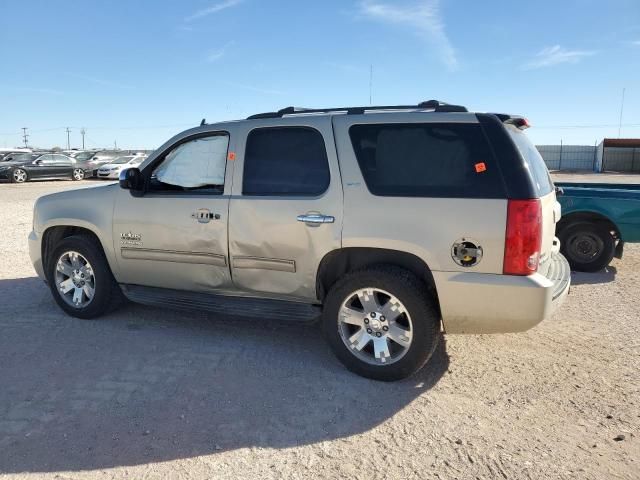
(434, 105)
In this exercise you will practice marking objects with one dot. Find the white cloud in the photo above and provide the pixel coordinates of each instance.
(216, 55)
(555, 55)
(215, 8)
(423, 18)
(635, 42)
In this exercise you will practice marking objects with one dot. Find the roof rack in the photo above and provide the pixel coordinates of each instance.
(434, 105)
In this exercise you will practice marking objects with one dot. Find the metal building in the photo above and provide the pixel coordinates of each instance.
(619, 155)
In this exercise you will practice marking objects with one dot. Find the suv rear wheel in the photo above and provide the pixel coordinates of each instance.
(381, 323)
(80, 278)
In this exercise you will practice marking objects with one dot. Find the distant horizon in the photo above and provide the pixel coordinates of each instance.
(141, 72)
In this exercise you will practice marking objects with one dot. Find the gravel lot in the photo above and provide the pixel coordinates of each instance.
(148, 393)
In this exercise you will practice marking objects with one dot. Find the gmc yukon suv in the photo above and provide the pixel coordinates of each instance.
(392, 224)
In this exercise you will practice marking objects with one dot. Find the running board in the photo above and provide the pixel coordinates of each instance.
(222, 304)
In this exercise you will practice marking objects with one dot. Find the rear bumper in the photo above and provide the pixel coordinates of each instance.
(488, 303)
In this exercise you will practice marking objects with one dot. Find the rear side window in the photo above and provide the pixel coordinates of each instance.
(285, 161)
(533, 160)
(426, 160)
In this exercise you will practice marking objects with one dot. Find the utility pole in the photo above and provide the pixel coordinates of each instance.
(115, 145)
(82, 132)
(68, 143)
(621, 109)
(25, 136)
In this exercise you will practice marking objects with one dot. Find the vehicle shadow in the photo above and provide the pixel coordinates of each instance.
(606, 275)
(148, 385)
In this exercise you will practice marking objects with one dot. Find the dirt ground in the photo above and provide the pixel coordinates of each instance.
(146, 393)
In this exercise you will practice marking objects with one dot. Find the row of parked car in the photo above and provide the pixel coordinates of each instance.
(23, 165)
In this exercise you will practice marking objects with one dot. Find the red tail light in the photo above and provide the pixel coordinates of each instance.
(523, 237)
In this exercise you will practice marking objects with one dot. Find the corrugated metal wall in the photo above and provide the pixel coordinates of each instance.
(568, 157)
(621, 159)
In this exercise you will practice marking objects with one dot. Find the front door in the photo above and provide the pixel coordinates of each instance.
(175, 234)
(286, 208)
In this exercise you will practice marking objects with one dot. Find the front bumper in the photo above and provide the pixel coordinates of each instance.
(490, 303)
(35, 252)
(111, 175)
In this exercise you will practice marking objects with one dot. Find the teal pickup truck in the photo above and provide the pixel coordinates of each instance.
(597, 220)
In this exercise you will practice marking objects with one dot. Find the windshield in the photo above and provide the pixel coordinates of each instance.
(534, 161)
(121, 160)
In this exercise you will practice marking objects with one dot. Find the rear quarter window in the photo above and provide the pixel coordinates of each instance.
(426, 160)
(533, 161)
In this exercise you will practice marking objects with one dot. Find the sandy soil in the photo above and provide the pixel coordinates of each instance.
(148, 393)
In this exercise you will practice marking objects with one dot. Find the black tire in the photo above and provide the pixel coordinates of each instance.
(107, 296)
(17, 171)
(420, 305)
(589, 247)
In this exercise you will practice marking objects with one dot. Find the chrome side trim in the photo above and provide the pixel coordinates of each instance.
(262, 263)
(174, 256)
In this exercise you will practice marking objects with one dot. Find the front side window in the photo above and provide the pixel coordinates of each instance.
(426, 160)
(196, 164)
(285, 161)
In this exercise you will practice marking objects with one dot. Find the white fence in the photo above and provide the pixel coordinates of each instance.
(569, 157)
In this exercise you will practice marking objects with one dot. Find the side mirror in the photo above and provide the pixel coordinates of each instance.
(131, 179)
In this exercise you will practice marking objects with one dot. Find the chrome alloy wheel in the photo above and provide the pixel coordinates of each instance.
(75, 279)
(375, 326)
(78, 174)
(19, 175)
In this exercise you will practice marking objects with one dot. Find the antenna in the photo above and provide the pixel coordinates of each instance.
(621, 109)
(371, 84)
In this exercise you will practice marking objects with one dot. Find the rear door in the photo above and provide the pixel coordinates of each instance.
(61, 166)
(286, 208)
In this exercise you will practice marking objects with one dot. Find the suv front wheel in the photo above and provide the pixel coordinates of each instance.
(80, 278)
(381, 323)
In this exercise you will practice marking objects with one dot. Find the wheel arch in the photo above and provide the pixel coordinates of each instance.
(337, 263)
(588, 216)
(54, 234)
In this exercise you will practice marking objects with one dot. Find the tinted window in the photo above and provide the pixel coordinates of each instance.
(533, 160)
(285, 161)
(426, 160)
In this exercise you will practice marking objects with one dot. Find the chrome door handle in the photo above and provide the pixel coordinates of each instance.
(316, 218)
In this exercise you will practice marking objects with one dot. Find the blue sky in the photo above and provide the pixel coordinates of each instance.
(137, 72)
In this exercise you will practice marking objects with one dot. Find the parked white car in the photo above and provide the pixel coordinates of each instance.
(112, 170)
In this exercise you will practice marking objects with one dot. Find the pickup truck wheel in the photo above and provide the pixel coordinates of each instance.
(381, 323)
(80, 278)
(588, 247)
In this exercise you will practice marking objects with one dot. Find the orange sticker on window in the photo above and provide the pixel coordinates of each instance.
(232, 155)
(480, 167)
